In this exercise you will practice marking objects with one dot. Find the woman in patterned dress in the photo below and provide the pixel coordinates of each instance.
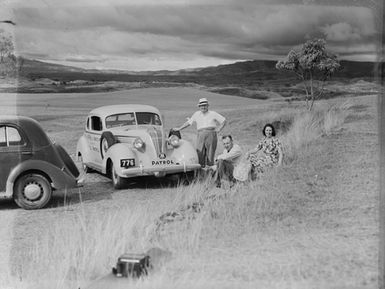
(268, 152)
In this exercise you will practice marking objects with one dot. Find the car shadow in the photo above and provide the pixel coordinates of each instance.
(98, 188)
(8, 204)
(151, 182)
(89, 192)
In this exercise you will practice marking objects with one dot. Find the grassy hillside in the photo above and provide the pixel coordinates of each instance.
(312, 223)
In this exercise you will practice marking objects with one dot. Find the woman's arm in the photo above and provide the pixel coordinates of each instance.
(280, 155)
(253, 151)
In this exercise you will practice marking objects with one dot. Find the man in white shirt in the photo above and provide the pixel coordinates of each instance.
(227, 161)
(209, 123)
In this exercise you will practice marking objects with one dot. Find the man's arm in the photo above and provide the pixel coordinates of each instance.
(221, 126)
(183, 126)
(235, 152)
(186, 124)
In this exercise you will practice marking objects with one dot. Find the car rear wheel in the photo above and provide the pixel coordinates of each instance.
(32, 191)
(107, 140)
(117, 181)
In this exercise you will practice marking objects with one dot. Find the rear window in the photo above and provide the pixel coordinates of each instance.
(96, 123)
(10, 136)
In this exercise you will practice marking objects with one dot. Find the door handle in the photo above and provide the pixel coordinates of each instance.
(26, 153)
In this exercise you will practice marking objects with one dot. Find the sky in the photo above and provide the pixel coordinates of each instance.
(139, 35)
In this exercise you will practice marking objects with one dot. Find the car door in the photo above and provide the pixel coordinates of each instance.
(92, 134)
(14, 149)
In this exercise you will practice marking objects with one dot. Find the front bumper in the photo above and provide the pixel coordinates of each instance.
(159, 171)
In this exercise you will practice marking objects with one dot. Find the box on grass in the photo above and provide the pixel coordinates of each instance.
(132, 265)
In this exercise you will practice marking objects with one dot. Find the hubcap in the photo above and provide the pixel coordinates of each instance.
(32, 191)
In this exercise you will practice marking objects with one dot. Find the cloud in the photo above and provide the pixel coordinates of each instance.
(341, 32)
(177, 31)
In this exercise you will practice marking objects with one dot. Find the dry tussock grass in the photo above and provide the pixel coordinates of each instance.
(275, 232)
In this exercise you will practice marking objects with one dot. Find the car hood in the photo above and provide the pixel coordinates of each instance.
(148, 133)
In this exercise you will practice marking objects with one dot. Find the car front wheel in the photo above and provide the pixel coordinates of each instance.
(117, 181)
(32, 191)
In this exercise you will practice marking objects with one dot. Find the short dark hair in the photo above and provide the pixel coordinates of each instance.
(272, 128)
(227, 136)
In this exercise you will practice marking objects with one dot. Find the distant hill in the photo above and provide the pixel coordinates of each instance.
(349, 69)
(31, 66)
(253, 79)
(244, 73)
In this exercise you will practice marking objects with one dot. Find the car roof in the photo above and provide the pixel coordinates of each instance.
(30, 127)
(107, 110)
(15, 118)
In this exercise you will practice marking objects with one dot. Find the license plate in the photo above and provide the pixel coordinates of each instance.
(126, 163)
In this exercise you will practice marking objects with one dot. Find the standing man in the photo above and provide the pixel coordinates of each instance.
(227, 161)
(209, 123)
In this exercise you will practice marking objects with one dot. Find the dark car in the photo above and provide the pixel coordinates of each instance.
(31, 165)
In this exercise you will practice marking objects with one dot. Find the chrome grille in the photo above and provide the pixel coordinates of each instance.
(156, 137)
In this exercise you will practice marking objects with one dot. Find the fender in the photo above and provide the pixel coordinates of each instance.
(59, 178)
(185, 152)
(83, 149)
(117, 152)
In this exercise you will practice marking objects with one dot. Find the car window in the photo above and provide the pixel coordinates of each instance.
(3, 139)
(120, 119)
(10, 136)
(96, 123)
(148, 118)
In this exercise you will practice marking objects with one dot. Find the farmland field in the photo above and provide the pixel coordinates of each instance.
(313, 223)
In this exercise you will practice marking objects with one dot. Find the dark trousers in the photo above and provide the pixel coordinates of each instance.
(224, 171)
(206, 146)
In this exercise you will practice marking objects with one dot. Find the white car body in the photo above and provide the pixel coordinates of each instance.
(128, 140)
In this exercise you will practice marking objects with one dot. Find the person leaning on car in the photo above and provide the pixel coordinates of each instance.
(227, 161)
(209, 123)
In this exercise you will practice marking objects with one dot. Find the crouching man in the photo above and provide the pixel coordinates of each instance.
(227, 161)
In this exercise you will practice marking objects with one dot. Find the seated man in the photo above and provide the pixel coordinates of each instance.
(227, 161)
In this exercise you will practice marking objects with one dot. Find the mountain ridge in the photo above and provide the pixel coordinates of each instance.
(32, 67)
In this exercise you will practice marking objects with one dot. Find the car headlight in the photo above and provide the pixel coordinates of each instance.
(174, 141)
(138, 143)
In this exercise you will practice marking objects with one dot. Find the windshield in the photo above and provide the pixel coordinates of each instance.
(120, 120)
(148, 118)
(123, 119)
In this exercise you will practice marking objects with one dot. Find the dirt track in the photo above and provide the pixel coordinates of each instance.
(22, 228)
(62, 116)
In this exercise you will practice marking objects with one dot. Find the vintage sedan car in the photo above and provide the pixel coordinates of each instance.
(125, 141)
(31, 164)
